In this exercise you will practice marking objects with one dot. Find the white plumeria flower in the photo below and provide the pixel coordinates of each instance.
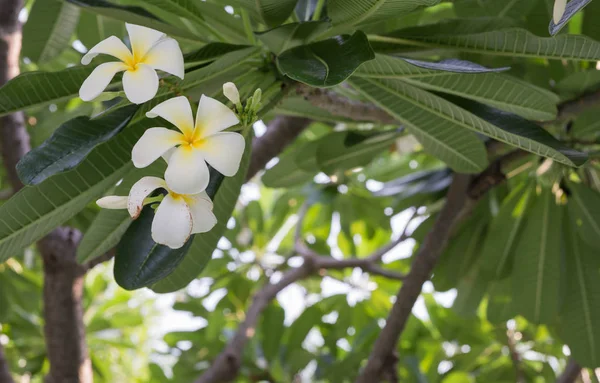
(150, 51)
(177, 217)
(559, 10)
(188, 151)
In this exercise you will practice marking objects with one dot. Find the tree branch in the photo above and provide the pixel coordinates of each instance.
(281, 132)
(514, 355)
(571, 372)
(5, 376)
(571, 108)
(226, 366)
(344, 107)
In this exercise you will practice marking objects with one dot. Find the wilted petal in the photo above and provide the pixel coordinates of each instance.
(99, 79)
(187, 172)
(113, 202)
(166, 56)
(223, 151)
(213, 117)
(153, 144)
(142, 39)
(110, 46)
(202, 216)
(140, 85)
(177, 111)
(139, 191)
(172, 224)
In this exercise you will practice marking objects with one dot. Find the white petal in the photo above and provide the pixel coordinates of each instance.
(213, 117)
(187, 172)
(203, 196)
(177, 111)
(139, 191)
(113, 202)
(559, 10)
(142, 39)
(153, 144)
(223, 151)
(167, 155)
(231, 92)
(141, 84)
(99, 79)
(110, 46)
(166, 56)
(172, 223)
(203, 218)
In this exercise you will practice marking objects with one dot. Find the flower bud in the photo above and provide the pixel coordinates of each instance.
(113, 202)
(559, 10)
(231, 92)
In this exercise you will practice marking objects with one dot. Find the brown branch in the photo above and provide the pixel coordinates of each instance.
(344, 107)
(571, 372)
(571, 108)
(5, 376)
(227, 365)
(281, 132)
(99, 259)
(514, 355)
(63, 310)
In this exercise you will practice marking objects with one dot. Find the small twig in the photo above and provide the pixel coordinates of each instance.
(571, 372)
(100, 259)
(514, 355)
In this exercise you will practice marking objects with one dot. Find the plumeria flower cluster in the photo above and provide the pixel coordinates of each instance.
(185, 208)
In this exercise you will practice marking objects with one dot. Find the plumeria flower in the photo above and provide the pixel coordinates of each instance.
(231, 92)
(559, 10)
(188, 150)
(150, 51)
(177, 217)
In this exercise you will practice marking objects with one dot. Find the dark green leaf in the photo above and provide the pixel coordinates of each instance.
(427, 181)
(305, 9)
(436, 124)
(573, 7)
(71, 143)
(275, 12)
(132, 14)
(522, 133)
(33, 89)
(504, 232)
(579, 82)
(328, 62)
(584, 208)
(289, 36)
(94, 28)
(536, 271)
(210, 52)
(352, 12)
(500, 307)
(48, 29)
(580, 312)
(272, 329)
(203, 245)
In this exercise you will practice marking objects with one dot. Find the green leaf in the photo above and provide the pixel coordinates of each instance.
(580, 311)
(203, 245)
(586, 124)
(299, 107)
(275, 12)
(340, 151)
(36, 210)
(352, 12)
(109, 225)
(134, 15)
(423, 182)
(455, 65)
(500, 307)
(493, 37)
(71, 143)
(536, 271)
(516, 131)
(384, 66)
(590, 26)
(211, 51)
(288, 36)
(584, 208)
(94, 28)
(297, 332)
(34, 89)
(470, 291)
(286, 173)
(184, 8)
(328, 62)
(572, 8)
(578, 82)
(437, 125)
(477, 8)
(497, 90)
(139, 261)
(504, 232)
(272, 330)
(48, 29)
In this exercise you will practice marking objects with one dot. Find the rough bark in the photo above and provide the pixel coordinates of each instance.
(14, 139)
(281, 132)
(63, 289)
(5, 376)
